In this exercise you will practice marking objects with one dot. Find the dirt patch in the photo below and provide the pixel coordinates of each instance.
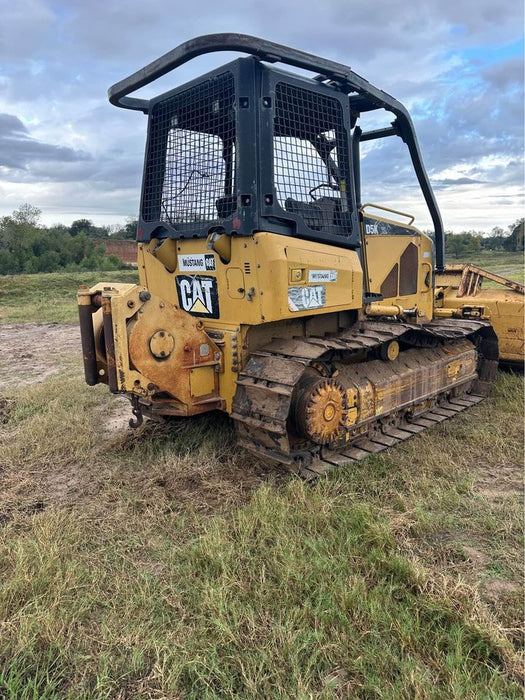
(205, 487)
(495, 589)
(497, 482)
(478, 558)
(116, 418)
(32, 352)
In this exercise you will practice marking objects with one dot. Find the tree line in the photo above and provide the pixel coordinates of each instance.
(460, 244)
(28, 246)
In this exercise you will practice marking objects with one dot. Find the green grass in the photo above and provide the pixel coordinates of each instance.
(168, 563)
(49, 297)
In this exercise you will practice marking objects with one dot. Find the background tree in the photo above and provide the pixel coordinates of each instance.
(88, 227)
(128, 230)
(514, 242)
(462, 244)
(27, 246)
(81, 226)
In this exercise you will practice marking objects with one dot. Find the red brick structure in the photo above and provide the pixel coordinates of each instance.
(125, 250)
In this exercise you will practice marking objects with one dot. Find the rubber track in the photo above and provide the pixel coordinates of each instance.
(262, 402)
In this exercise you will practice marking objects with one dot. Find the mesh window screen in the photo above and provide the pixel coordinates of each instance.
(310, 156)
(190, 171)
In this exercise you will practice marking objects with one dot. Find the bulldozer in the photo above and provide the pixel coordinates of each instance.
(464, 288)
(267, 289)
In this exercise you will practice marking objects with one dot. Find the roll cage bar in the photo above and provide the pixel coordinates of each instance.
(364, 97)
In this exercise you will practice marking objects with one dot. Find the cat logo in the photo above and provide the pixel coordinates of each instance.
(304, 298)
(198, 295)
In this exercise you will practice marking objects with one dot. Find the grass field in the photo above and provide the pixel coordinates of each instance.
(506, 264)
(167, 563)
(49, 297)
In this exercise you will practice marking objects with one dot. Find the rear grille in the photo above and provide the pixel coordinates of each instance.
(190, 167)
(310, 154)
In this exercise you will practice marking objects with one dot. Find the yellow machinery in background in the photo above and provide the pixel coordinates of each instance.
(268, 289)
(460, 288)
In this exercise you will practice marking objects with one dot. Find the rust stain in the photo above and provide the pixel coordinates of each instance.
(191, 351)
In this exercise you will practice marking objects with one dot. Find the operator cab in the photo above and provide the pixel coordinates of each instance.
(250, 148)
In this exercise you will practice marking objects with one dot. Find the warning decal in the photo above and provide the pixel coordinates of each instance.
(304, 298)
(198, 295)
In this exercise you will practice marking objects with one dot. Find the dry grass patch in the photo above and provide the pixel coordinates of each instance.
(56, 452)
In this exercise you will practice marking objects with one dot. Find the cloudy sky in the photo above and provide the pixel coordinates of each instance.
(456, 64)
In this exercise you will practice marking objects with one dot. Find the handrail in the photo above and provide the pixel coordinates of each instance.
(410, 217)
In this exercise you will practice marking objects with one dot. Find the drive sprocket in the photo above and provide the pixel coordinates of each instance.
(319, 409)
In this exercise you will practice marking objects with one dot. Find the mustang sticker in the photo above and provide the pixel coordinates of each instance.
(322, 276)
(198, 262)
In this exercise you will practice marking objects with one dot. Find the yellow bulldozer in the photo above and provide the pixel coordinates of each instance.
(476, 293)
(323, 325)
